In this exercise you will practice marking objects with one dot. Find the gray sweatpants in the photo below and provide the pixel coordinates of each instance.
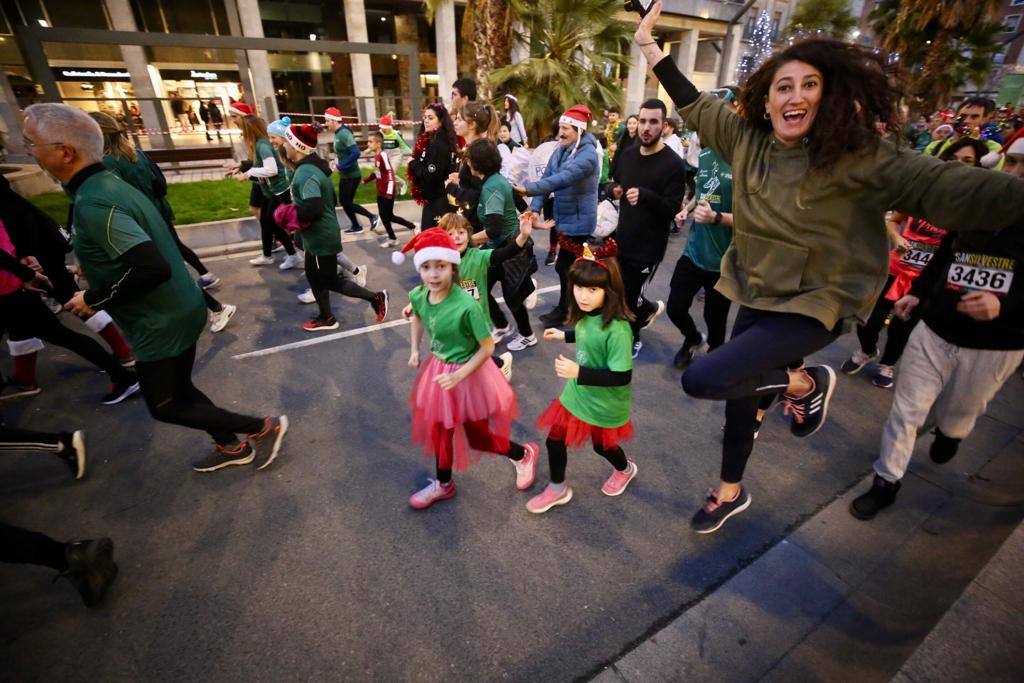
(951, 383)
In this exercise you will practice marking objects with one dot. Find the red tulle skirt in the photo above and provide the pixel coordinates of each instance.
(559, 424)
(459, 425)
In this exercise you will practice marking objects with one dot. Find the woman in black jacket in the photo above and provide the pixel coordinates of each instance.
(433, 160)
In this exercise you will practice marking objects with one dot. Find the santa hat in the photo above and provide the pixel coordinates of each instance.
(385, 121)
(303, 138)
(433, 244)
(1016, 147)
(332, 114)
(279, 127)
(577, 116)
(241, 109)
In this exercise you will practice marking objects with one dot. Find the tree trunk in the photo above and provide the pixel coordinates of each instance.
(499, 33)
(481, 47)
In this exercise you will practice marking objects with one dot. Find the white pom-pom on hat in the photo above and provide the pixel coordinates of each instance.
(397, 257)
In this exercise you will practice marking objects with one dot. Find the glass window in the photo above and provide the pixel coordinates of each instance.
(188, 19)
(1011, 23)
(148, 16)
(76, 13)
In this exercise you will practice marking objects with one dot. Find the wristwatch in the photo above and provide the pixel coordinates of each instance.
(718, 217)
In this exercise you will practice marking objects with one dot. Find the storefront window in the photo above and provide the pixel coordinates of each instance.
(76, 13)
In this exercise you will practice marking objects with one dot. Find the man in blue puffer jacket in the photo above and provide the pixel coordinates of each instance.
(572, 175)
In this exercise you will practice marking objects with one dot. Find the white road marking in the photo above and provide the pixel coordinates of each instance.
(347, 333)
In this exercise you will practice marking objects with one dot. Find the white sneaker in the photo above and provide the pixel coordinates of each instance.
(519, 342)
(261, 260)
(378, 228)
(218, 321)
(360, 275)
(307, 297)
(291, 261)
(857, 361)
(506, 365)
(499, 333)
(531, 301)
(389, 244)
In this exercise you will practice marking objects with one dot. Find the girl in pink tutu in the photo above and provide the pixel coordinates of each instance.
(462, 406)
(596, 402)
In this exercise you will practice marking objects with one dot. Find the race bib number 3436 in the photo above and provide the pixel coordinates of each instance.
(979, 272)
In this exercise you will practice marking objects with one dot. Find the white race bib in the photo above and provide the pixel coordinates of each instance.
(979, 272)
(919, 255)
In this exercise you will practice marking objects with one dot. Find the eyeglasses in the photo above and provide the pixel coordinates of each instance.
(29, 144)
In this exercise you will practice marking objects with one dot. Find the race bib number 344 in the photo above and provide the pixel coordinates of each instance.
(981, 273)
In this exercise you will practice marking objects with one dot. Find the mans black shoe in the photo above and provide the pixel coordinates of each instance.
(550, 260)
(809, 412)
(686, 353)
(881, 495)
(713, 514)
(943, 448)
(73, 453)
(353, 229)
(555, 317)
(119, 391)
(91, 568)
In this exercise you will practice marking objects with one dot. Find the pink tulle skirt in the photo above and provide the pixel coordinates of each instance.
(559, 424)
(485, 400)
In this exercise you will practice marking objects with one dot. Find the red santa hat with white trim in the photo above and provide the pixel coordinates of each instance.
(433, 244)
(333, 114)
(577, 116)
(241, 109)
(385, 121)
(303, 138)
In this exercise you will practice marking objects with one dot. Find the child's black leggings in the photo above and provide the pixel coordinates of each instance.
(558, 457)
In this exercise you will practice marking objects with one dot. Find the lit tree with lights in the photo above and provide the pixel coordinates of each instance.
(759, 49)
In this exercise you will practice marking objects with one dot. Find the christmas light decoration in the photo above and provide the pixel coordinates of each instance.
(758, 50)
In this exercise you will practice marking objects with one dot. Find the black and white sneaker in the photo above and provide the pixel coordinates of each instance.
(91, 568)
(269, 439)
(119, 391)
(73, 453)
(714, 513)
(810, 411)
(353, 229)
(637, 346)
(857, 361)
(225, 456)
(881, 495)
(687, 351)
(658, 310)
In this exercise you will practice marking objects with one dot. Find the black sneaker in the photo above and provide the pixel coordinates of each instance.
(221, 457)
(73, 453)
(637, 346)
(810, 412)
(881, 495)
(91, 568)
(550, 260)
(686, 353)
(119, 391)
(380, 304)
(11, 390)
(713, 514)
(319, 324)
(556, 316)
(270, 438)
(943, 448)
(354, 229)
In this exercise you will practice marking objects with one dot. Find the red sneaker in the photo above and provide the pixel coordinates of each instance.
(431, 493)
(319, 324)
(618, 482)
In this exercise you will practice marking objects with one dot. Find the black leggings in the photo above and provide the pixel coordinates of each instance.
(186, 253)
(21, 546)
(558, 458)
(347, 196)
(26, 316)
(635, 278)
(14, 439)
(896, 337)
(386, 209)
(687, 280)
(519, 313)
(171, 397)
(269, 229)
(432, 211)
(750, 366)
(322, 275)
(563, 262)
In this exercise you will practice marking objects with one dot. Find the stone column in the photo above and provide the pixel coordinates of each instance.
(685, 52)
(731, 55)
(520, 49)
(362, 71)
(153, 112)
(10, 116)
(407, 33)
(241, 58)
(262, 82)
(636, 83)
(447, 60)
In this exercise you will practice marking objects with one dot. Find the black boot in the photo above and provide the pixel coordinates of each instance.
(881, 495)
(91, 568)
(943, 448)
(555, 317)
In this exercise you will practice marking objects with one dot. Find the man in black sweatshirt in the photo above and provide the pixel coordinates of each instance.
(649, 181)
(968, 343)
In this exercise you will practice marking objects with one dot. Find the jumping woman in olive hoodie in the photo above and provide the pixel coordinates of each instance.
(812, 182)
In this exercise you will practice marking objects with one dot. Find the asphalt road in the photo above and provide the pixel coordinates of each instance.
(317, 567)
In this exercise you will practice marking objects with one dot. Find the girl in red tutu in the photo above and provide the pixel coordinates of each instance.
(597, 400)
(461, 404)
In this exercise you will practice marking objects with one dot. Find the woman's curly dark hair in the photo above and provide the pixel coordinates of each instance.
(446, 129)
(857, 94)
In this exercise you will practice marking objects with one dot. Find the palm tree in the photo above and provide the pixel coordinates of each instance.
(490, 22)
(941, 43)
(575, 47)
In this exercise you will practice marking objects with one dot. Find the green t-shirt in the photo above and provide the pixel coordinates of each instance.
(343, 139)
(496, 198)
(706, 243)
(271, 187)
(473, 269)
(110, 217)
(323, 237)
(140, 176)
(601, 348)
(456, 325)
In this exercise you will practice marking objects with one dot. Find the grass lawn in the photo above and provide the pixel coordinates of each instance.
(203, 200)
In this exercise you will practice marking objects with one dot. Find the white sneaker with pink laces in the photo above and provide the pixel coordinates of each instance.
(618, 482)
(549, 498)
(431, 493)
(526, 468)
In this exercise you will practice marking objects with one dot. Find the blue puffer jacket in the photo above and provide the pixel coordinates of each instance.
(573, 178)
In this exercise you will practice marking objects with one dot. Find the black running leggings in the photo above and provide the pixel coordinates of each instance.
(14, 439)
(347, 196)
(897, 336)
(21, 546)
(26, 316)
(171, 397)
(186, 253)
(386, 209)
(752, 365)
(558, 458)
(322, 275)
(687, 280)
(519, 313)
(269, 229)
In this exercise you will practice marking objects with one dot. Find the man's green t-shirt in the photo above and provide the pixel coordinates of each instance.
(323, 236)
(110, 217)
(473, 269)
(601, 348)
(455, 325)
(496, 198)
(343, 140)
(707, 242)
(271, 187)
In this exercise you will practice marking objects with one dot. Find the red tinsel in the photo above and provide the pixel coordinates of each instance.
(609, 249)
(418, 152)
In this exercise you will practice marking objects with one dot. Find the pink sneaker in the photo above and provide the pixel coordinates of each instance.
(618, 482)
(431, 493)
(526, 469)
(549, 498)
